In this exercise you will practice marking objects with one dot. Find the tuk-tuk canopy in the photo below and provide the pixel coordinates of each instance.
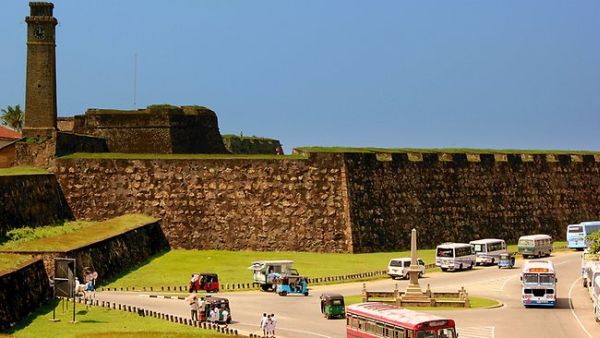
(331, 296)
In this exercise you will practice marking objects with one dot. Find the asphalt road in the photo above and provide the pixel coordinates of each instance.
(299, 316)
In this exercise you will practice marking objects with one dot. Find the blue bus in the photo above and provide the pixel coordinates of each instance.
(577, 233)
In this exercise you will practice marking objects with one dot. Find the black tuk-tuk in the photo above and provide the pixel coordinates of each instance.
(332, 305)
(215, 302)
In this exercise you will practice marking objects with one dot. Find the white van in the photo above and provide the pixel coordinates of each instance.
(535, 245)
(398, 267)
(488, 250)
(263, 272)
(453, 256)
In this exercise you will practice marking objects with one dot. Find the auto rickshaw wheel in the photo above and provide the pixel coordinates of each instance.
(420, 274)
(266, 287)
(306, 293)
(283, 293)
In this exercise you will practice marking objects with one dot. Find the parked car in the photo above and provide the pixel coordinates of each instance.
(398, 267)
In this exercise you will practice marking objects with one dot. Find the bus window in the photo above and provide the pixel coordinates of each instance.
(379, 329)
(479, 247)
(530, 278)
(445, 252)
(546, 278)
(446, 333)
(361, 324)
(575, 229)
(525, 242)
(426, 334)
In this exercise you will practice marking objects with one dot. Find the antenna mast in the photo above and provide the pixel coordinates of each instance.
(134, 81)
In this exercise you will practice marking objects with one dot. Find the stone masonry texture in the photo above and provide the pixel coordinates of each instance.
(31, 200)
(219, 204)
(22, 291)
(340, 202)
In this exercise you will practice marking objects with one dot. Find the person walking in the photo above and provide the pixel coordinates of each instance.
(263, 324)
(194, 306)
(273, 324)
(269, 326)
(212, 315)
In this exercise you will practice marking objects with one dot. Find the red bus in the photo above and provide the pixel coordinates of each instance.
(379, 320)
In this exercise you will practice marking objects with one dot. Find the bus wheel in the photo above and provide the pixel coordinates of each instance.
(266, 287)
(471, 267)
(493, 261)
(460, 267)
(420, 274)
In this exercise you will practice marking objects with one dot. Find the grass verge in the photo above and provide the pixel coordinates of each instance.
(73, 235)
(174, 268)
(476, 303)
(101, 322)
(16, 171)
(115, 156)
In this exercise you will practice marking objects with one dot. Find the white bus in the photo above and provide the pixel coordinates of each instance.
(488, 250)
(538, 281)
(577, 234)
(591, 272)
(535, 245)
(453, 256)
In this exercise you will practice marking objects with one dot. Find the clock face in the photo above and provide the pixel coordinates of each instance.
(39, 32)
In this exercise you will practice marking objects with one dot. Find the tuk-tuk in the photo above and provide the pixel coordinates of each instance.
(215, 302)
(208, 282)
(332, 305)
(291, 285)
(506, 260)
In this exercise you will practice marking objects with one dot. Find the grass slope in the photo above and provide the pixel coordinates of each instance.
(101, 322)
(175, 267)
(73, 235)
(15, 171)
(441, 150)
(114, 156)
(10, 261)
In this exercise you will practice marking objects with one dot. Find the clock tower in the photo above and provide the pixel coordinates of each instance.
(40, 89)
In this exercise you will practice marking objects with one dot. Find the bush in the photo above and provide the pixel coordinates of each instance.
(594, 241)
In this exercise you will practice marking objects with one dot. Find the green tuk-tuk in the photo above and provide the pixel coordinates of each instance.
(332, 305)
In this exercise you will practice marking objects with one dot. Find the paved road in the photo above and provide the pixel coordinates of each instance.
(299, 316)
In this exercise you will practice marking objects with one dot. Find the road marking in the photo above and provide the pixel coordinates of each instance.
(476, 332)
(285, 329)
(573, 309)
(506, 281)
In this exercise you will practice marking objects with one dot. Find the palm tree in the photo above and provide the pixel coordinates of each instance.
(13, 117)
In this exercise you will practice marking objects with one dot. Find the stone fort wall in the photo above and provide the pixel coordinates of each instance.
(340, 202)
(31, 200)
(231, 204)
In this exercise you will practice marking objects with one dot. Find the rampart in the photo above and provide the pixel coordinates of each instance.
(22, 290)
(111, 256)
(252, 145)
(461, 197)
(219, 203)
(31, 200)
(161, 129)
(346, 202)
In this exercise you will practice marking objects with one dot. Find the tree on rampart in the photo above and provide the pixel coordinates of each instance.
(13, 117)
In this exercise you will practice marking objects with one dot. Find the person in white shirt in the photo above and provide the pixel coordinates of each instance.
(212, 315)
(225, 314)
(273, 324)
(263, 324)
(194, 306)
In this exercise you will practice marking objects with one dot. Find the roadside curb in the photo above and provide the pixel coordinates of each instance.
(164, 297)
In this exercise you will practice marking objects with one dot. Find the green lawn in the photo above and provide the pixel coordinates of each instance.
(73, 235)
(101, 322)
(174, 268)
(10, 261)
(14, 171)
(476, 303)
(442, 150)
(182, 156)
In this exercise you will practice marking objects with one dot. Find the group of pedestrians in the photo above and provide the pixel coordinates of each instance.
(268, 323)
(215, 315)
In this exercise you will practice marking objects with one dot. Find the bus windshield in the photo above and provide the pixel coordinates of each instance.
(479, 247)
(530, 278)
(547, 278)
(445, 252)
(575, 229)
(525, 242)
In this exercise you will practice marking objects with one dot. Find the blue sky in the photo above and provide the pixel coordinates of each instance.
(478, 74)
